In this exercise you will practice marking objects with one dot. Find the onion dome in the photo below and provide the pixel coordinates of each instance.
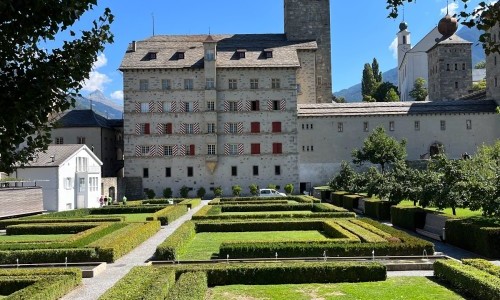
(447, 26)
(403, 26)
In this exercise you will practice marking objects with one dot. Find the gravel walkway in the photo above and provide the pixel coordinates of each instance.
(93, 288)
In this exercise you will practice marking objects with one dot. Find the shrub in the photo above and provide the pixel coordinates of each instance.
(190, 285)
(218, 191)
(271, 186)
(67, 228)
(190, 203)
(201, 192)
(289, 188)
(409, 217)
(274, 225)
(326, 207)
(478, 235)
(167, 192)
(378, 209)
(48, 256)
(254, 189)
(168, 214)
(157, 201)
(483, 265)
(337, 198)
(468, 279)
(150, 193)
(168, 249)
(136, 209)
(184, 191)
(266, 207)
(350, 202)
(91, 219)
(236, 190)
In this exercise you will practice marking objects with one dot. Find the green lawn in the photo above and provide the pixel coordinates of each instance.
(205, 244)
(461, 212)
(303, 212)
(33, 238)
(131, 217)
(420, 288)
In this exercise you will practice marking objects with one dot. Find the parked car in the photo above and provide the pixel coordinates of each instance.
(270, 193)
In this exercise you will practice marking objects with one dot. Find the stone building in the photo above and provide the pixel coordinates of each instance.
(493, 67)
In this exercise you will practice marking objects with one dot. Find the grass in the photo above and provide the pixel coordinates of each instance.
(461, 212)
(304, 212)
(206, 244)
(420, 288)
(132, 217)
(33, 238)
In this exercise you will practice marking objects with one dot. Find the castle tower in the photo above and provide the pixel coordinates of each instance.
(310, 20)
(404, 42)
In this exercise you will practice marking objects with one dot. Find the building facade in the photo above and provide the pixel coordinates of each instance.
(493, 66)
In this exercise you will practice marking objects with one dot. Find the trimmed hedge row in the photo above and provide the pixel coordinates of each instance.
(5, 223)
(191, 203)
(364, 234)
(350, 202)
(76, 213)
(258, 226)
(266, 207)
(168, 214)
(408, 217)
(190, 286)
(146, 283)
(474, 234)
(254, 202)
(169, 248)
(378, 209)
(157, 201)
(48, 256)
(115, 245)
(68, 228)
(300, 199)
(337, 198)
(326, 207)
(111, 210)
(467, 279)
(483, 265)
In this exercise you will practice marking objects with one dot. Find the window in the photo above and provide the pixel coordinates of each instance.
(391, 125)
(463, 66)
(456, 84)
(209, 55)
(210, 106)
(255, 170)
(255, 127)
(168, 128)
(254, 84)
(234, 171)
(145, 173)
(211, 149)
(180, 55)
(190, 150)
(233, 84)
(255, 105)
(233, 106)
(80, 140)
(81, 185)
(312, 148)
(443, 124)
(241, 53)
(495, 60)
(145, 128)
(365, 126)
(93, 184)
(143, 84)
(233, 149)
(168, 172)
(188, 106)
(144, 150)
(277, 170)
(68, 183)
(210, 84)
(165, 84)
(276, 127)
(456, 67)
(268, 53)
(144, 107)
(277, 148)
(188, 84)
(447, 67)
(275, 83)
(496, 81)
(189, 128)
(276, 105)
(167, 106)
(232, 127)
(340, 127)
(254, 149)
(59, 140)
(210, 127)
(298, 88)
(468, 124)
(417, 125)
(167, 151)
(189, 171)
(81, 164)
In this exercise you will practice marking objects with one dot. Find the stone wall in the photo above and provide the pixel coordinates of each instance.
(133, 188)
(20, 201)
(109, 187)
(493, 69)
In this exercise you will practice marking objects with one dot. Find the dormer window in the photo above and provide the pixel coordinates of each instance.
(180, 54)
(268, 53)
(241, 53)
(152, 55)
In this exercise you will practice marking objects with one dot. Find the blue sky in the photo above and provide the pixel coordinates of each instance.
(360, 30)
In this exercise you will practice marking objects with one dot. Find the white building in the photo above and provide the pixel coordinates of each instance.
(70, 176)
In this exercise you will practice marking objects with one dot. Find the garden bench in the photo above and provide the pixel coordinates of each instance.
(434, 227)
(361, 206)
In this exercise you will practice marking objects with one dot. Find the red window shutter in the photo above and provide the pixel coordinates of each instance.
(276, 126)
(277, 148)
(146, 128)
(168, 128)
(255, 149)
(191, 149)
(255, 127)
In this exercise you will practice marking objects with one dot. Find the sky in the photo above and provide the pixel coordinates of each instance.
(360, 30)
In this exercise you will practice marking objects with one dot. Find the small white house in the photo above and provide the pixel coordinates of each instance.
(69, 174)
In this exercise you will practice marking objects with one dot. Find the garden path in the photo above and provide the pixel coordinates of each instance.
(93, 288)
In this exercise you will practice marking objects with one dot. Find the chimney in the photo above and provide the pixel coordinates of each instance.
(134, 46)
(53, 158)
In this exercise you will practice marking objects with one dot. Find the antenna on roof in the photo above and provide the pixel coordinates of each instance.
(208, 30)
(403, 13)
(447, 7)
(153, 17)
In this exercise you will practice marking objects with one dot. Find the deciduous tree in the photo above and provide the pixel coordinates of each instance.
(419, 92)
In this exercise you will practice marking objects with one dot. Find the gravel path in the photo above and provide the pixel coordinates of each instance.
(93, 288)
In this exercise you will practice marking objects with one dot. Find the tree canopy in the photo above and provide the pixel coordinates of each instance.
(419, 92)
(368, 82)
(37, 83)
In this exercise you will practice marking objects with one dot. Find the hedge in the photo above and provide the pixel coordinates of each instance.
(483, 265)
(266, 207)
(408, 217)
(158, 201)
(5, 223)
(76, 213)
(41, 229)
(48, 256)
(337, 198)
(168, 214)
(140, 209)
(145, 283)
(365, 234)
(189, 286)
(478, 235)
(378, 209)
(191, 203)
(327, 207)
(168, 249)
(350, 202)
(254, 202)
(115, 245)
(467, 279)
(300, 199)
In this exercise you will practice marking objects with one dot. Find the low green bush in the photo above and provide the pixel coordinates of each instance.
(266, 207)
(274, 225)
(251, 202)
(146, 283)
(5, 223)
(479, 235)
(337, 232)
(326, 207)
(68, 228)
(300, 199)
(337, 198)
(191, 203)
(408, 217)
(350, 202)
(157, 201)
(468, 280)
(48, 256)
(168, 214)
(189, 286)
(378, 209)
(76, 213)
(483, 265)
(168, 250)
(283, 215)
(365, 234)
(126, 209)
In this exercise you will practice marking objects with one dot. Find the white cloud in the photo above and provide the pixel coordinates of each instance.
(451, 9)
(117, 95)
(393, 47)
(97, 80)
(100, 62)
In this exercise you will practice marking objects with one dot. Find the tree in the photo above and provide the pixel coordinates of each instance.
(484, 16)
(35, 82)
(345, 180)
(167, 192)
(368, 82)
(338, 99)
(479, 86)
(201, 192)
(184, 191)
(379, 148)
(419, 92)
(254, 189)
(377, 74)
(480, 65)
(391, 96)
(236, 190)
(218, 191)
(382, 89)
(289, 189)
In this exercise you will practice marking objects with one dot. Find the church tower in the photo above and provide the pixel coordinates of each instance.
(404, 43)
(310, 20)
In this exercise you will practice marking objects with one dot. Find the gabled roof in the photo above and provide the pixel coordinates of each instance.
(167, 46)
(395, 108)
(59, 154)
(86, 118)
(452, 40)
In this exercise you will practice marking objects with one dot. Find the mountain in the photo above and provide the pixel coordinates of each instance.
(100, 104)
(353, 93)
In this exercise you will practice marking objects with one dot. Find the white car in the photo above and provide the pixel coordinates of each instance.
(270, 193)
